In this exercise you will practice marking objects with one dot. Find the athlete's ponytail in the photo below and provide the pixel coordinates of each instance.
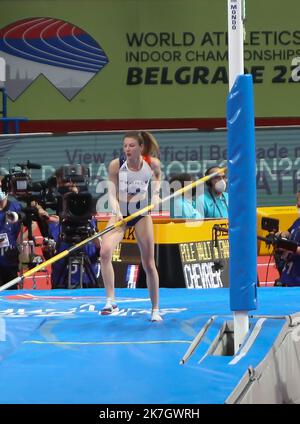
(151, 147)
(147, 140)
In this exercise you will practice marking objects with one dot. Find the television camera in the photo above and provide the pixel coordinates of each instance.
(18, 183)
(273, 239)
(76, 217)
(74, 209)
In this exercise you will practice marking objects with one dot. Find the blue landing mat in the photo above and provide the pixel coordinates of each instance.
(55, 347)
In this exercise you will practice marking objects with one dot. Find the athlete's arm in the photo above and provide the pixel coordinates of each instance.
(113, 186)
(156, 180)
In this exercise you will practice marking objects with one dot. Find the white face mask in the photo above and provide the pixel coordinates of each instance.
(220, 186)
(2, 195)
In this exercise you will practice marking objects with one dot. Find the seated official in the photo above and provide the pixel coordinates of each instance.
(215, 196)
(182, 206)
(10, 227)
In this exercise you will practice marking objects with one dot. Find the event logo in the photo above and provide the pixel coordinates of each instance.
(63, 53)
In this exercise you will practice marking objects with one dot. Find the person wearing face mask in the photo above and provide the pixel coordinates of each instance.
(215, 196)
(10, 227)
(290, 274)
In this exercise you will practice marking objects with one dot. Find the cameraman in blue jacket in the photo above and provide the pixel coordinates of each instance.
(290, 275)
(10, 227)
(82, 269)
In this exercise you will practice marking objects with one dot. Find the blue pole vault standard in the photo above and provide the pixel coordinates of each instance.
(242, 195)
(237, 114)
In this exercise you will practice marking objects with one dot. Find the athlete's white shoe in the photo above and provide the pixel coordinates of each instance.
(109, 308)
(155, 315)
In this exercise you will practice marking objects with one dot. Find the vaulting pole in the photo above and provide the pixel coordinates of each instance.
(118, 224)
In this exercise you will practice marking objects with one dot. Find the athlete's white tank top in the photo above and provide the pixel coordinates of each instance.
(134, 182)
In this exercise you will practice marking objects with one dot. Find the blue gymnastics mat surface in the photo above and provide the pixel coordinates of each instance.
(55, 347)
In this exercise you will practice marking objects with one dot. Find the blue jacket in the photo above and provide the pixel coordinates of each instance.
(183, 208)
(215, 206)
(9, 253)
(60, 269)
(290, 275)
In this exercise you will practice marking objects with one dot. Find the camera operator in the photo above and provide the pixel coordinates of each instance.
(10, 227)
(290, 274)
(58, 242)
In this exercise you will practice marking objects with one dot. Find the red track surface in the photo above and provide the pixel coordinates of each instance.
(266, 271)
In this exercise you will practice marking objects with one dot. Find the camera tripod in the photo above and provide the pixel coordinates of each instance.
(81, 261)
(69, 273)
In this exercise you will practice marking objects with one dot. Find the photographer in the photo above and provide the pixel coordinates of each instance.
(64, 232)
(290, 274)
(10, 227)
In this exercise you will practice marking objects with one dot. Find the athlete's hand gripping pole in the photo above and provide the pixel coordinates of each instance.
(123, 221)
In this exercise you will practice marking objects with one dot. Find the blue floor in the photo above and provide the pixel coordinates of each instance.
(55, 347)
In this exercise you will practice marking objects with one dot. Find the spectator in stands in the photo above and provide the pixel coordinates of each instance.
(10, 227)
(183, 205)
(215, 196)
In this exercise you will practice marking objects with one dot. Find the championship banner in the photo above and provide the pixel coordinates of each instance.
(135, 59)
